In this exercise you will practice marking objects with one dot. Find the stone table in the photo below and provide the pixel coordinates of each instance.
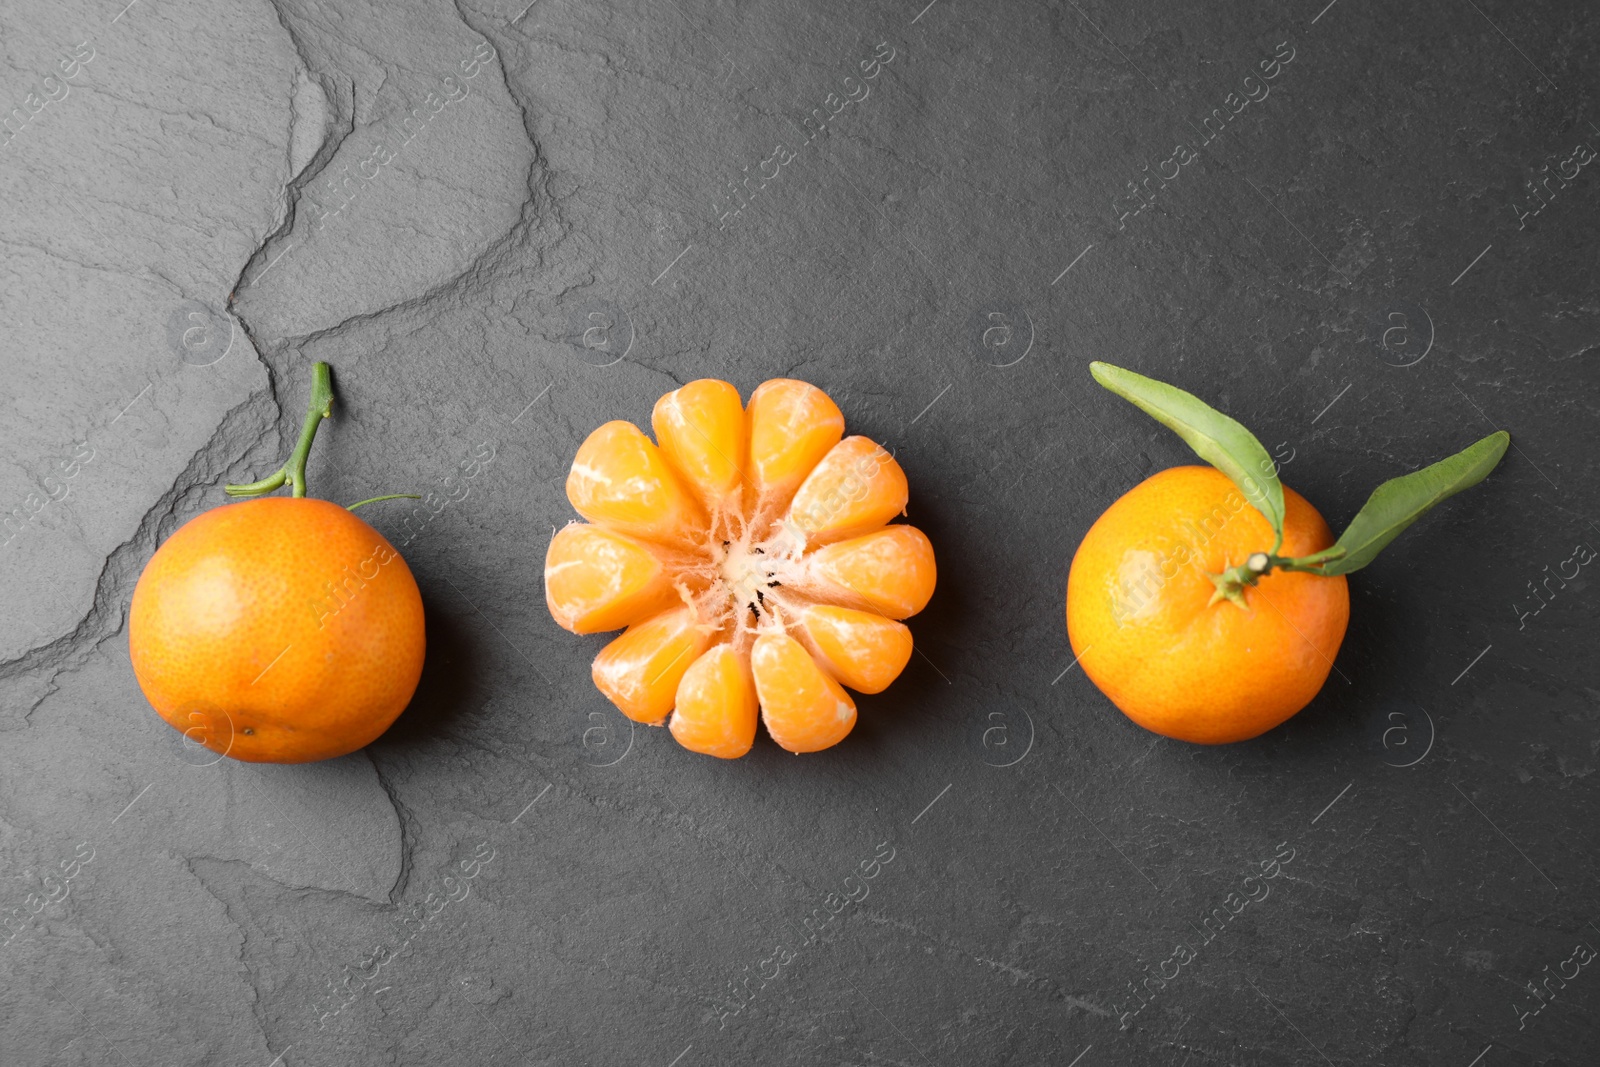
(1367, 231)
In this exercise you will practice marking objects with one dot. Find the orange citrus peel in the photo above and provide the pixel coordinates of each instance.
(748, 553)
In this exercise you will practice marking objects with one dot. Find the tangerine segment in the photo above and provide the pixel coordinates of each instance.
(857, 488)
(793, 424)
(700, 428)
(717, 705)
(1142, 624)
(619, 480)
(804, 709)
(889, 571)
(639, 672)
(596, 580)
(864, 651)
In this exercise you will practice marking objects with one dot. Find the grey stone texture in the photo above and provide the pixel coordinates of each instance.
(1365, 230)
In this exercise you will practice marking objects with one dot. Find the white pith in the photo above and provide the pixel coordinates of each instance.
(750, 577)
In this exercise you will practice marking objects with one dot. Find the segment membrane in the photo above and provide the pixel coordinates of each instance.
(619, 480)
(716, 705)
(792, 426)
(804, 709)
(596, 580)
(863, 651)
(639, 672)
(701, 430)
(890, 571)
(857, 488)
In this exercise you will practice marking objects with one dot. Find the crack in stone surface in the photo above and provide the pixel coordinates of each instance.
(34, 672)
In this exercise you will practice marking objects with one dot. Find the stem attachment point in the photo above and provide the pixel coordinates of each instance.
(1232, 582)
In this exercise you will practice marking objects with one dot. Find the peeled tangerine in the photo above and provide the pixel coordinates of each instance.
(749, 555)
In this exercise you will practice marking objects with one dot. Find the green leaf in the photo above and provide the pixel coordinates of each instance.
(1216, 438)
(1399, 502)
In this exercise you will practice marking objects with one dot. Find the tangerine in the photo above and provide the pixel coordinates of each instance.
(1147, 624)
(280, 630)
(277, 630)
(749, 553)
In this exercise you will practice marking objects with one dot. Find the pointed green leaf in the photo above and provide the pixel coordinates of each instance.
(1216, 438)
(1399, 502)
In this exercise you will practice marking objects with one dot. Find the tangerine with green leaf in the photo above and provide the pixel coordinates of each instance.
(1209, 603)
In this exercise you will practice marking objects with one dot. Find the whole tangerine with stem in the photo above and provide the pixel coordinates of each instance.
(1209, 602)
(1148, 628)
(750, 554)
(281, 629)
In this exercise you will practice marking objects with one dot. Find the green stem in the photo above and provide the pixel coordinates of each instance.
(294, 470)
(390, 496)
(1232, 582)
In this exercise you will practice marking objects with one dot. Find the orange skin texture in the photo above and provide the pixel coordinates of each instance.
(238, 640)
(1142, 626)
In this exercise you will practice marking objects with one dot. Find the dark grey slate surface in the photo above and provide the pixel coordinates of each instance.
(200, 199)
